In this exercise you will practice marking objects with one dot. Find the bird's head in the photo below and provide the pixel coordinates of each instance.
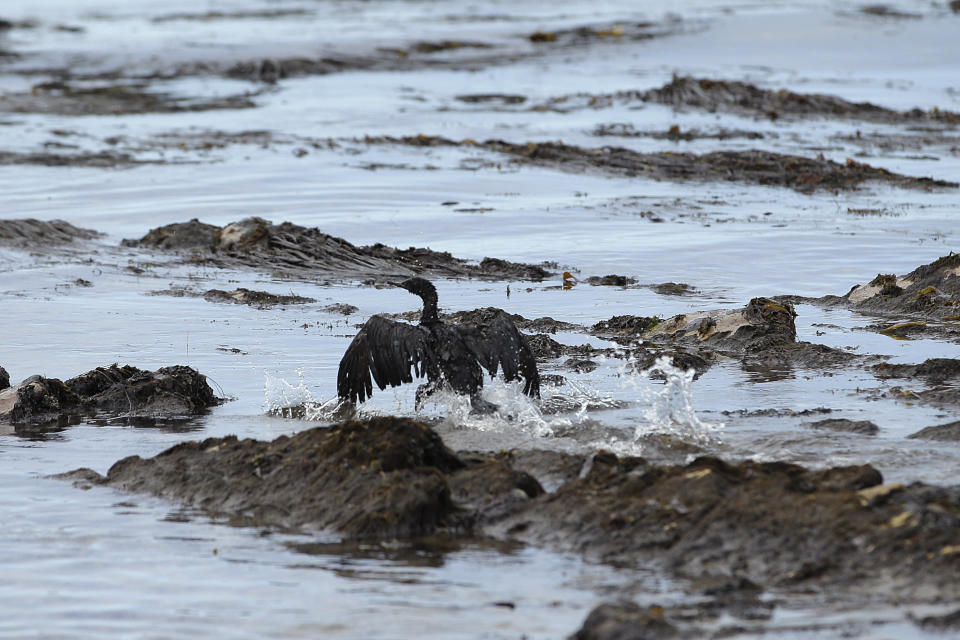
(419, 286)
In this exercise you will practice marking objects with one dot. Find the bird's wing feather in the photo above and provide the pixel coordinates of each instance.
(387, 351)
(498, 344)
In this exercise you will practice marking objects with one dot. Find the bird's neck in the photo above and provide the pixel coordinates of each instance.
(429, 315)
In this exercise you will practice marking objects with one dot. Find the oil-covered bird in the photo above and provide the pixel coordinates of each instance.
(449, 355)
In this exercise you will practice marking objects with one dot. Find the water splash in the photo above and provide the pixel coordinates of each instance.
(669, 408)
(295, 401)
(515, 410)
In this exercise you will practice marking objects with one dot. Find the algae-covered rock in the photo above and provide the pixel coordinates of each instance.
(290, 249)
(761, 324)
(931, 291)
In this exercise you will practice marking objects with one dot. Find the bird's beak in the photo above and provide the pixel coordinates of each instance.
(402, 284)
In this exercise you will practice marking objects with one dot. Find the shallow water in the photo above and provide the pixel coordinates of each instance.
(99, 563)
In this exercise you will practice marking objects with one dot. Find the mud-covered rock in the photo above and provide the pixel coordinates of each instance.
(611, 280)
(760, 524)
(762, 334)
(118, 391)
(65, 98)
(674, 133)
(544, 348)
(32, 232)
(932, 370)
(97, 160)
(685, 92)
(755, 166)
(292, 250)
(169, 391)
(579, 365)
(341, 308)
(673, 289)
(771, 523)
(949, 432)
(761, 324)
(259, 299)
(646, 359)
(38, 400)
(931, 291)
(241, 295)
(863, 427)
(380, 479)
(490, 488)
(946, 621)
(486, 314)
(626, 621)
(181, 236)
(626, 325)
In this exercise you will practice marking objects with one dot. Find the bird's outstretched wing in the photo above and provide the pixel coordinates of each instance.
(498, 344)
(386, 350)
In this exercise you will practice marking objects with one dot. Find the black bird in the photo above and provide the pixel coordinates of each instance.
(450, 356)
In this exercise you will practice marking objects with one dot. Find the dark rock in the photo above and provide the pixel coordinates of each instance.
(580, 365)
(760, 524)
(98, 160)
(31, 232)
(771, 523)
(259, 299)
(551, 468)
(179, 237)
(611, 281)
(626, 324)
(646, 358)
(864, 427)
(761, 325)
(340, 307)
(307, 252)
(4, 379)
(931, 291)
(625, 621)
(73, 99)
(756, 166)
(544, 347)
(947, 621)
(933, 370)
(38, 400)
(673, 289)
(748, 99)
(501, 98)
(168, 391)
(490, 488)
(380, 479)
(949, 432)
(124, 391)
(552, 380)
